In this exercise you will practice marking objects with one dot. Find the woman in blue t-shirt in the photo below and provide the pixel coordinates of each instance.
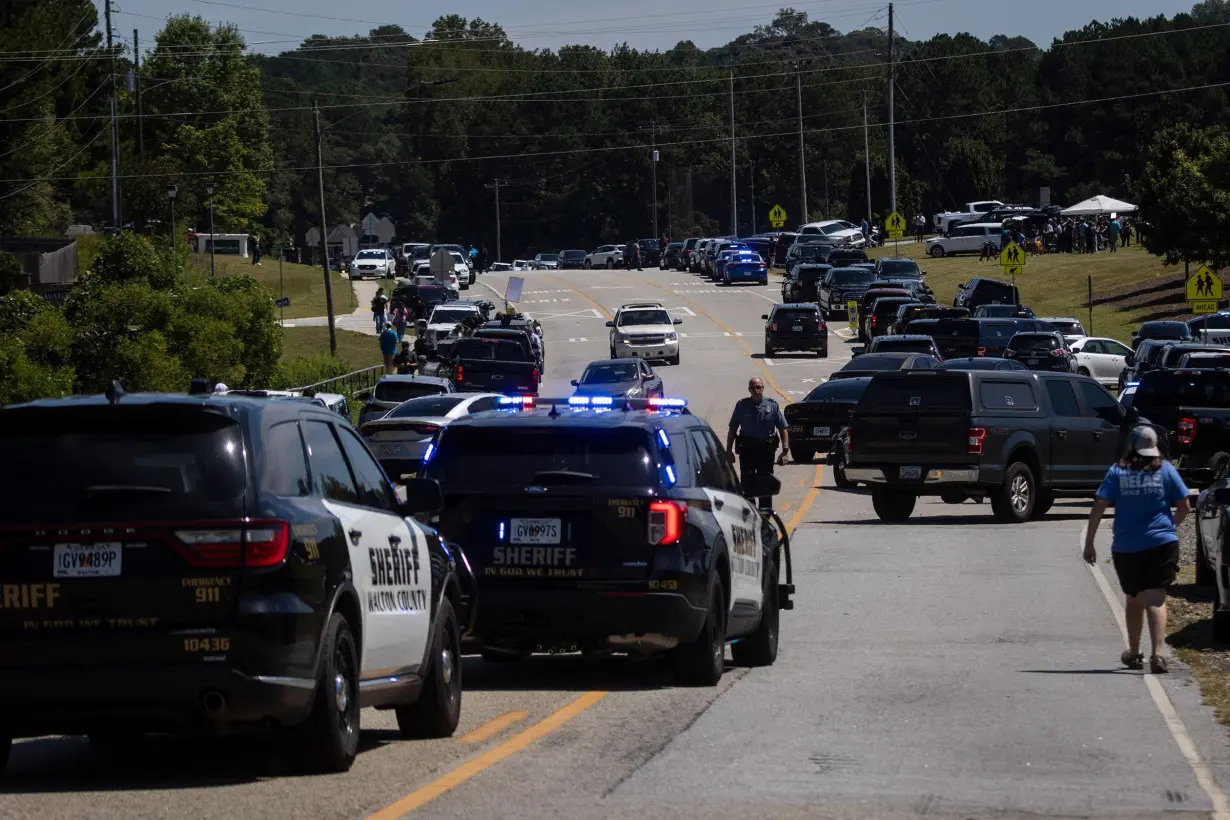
(1145, 548)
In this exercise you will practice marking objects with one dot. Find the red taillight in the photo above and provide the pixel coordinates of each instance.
(461, 372)
(874, 318)
(1057, 353)
(1186, 431)
(425, 429)
(977, 435)
(773, 326)
(666, 520)
(234, 545)
(849, 444)
(982, 351)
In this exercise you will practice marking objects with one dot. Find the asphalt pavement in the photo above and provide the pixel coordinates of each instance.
(950, 667)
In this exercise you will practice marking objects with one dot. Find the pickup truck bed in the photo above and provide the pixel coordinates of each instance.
(489, 365)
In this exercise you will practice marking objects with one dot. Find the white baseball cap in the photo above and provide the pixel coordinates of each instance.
(1144, 442)
(220, 388)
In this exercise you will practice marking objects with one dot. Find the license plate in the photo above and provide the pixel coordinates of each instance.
(1031, 361)
(390, 449)
(821, 431)
(798, 328)
(100, 560)
(535, 531)
(908, 473)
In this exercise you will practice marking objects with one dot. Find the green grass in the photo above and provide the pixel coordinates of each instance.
(1129, 287)
(304, 284)
(354, 350)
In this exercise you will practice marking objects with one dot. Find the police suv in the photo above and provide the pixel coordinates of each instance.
(181, 563)
(597, 524)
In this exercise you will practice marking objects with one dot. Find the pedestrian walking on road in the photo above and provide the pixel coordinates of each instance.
(1145, 548)
(380, 303)
(400, 317)
(388, 348)
(756, 425)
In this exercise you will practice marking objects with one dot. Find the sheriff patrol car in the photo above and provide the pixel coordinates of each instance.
(181, 563)
(594, 523)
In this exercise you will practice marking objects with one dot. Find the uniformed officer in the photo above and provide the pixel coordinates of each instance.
(757, 424)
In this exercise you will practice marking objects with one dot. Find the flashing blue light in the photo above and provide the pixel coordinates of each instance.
(601, 401)
(670, 475)
(516, 401)
(656, 402)
(1131, 384)
(579, 401)
(431, 449)
(501, 530)
(664, 438)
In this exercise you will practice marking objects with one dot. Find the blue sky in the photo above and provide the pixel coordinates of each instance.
(274, 25)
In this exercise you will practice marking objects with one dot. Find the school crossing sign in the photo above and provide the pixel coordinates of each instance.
(1204, 290)
(1012, 259)
(894, 223)
(777, 216)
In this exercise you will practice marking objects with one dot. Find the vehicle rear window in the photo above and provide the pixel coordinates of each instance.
(403, 391)
(995, 291)
(1068, 328)
(848, 256)
(947, 328)
(501, 457)
(839, 390)
(873, 362)
(918, 395)
(425, 406)
(796, 315)
(449, 316)
(902, 346)
(1171, 389)
(490, 349)
(1044, 343)
(139, 463)
(997, 332)
(896, 267)
(1006, 395)
(852, 276)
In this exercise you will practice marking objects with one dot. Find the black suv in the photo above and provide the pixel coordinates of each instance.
(795, 326)
(979, 291)
(816, 420)
(1041, 351)
(182, 563)
(1020, 439)
(841, 286)
(904, 343)
(598, 529)
(909, 312)
(802, 284)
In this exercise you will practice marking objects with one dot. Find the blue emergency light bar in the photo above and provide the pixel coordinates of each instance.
(516, 401)
(656, 403)
(591, 401)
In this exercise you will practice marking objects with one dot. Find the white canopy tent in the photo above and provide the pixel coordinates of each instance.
(1099, 205)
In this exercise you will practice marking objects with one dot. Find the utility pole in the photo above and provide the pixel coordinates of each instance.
(653, 165)
(892, 140)
(136, 56)
(115, 137)
(324, 229)
(499, 251)
(867, 155)
(798, 88)
(751, 181)
(734, 202)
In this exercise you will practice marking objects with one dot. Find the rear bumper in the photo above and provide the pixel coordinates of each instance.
(82, 699)
(799, 342)
(536, 617)
(931, 477)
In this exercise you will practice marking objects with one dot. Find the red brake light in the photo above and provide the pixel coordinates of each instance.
(426, 429)
(982, 351)
(976, 436)
(849, 444)
(773, 326)
(461, 372)
(1186, 431)
(1057, 352)
(234, 544)
(534, 378)
(874, 318)
(666, 520)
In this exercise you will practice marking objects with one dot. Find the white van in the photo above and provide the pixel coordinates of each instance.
(965, 239)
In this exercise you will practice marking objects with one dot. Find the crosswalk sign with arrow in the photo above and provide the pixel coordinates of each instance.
(895, 225)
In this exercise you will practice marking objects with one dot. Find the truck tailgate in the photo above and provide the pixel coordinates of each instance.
(920, 417)
(483, 375)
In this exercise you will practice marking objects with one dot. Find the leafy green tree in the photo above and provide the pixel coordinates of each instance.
(12, 274)
(1184, 195)
(35, 349)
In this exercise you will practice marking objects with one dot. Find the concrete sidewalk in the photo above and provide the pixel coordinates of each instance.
(361, 320)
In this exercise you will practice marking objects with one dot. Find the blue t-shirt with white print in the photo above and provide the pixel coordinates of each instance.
(1142, 500)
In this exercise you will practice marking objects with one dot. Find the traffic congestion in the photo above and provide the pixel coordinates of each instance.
(623, 471)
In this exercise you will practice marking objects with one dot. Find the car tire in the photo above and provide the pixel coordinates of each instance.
(1013, 501)
(329, 740)
(610, 264)
(937, 251)
(801, 454)
(893, 506)
(822, 352)
(768, 349)
(701, 661)
(1205, 575)
(587, 264)
(674, 360)
(1221, 624)
(839, 470)
(437, 711)
(760, 648)
(1042, 504)
(1083, 371)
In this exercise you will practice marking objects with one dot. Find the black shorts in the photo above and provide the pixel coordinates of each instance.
(1154, 568)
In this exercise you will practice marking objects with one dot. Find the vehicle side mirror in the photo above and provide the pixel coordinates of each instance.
(423, 495)
(760, 485)
(1131, 417)
(764, 316)
(677, 321)
(610, 324)
(1222, 495)
(573, 382)
(1129, 359)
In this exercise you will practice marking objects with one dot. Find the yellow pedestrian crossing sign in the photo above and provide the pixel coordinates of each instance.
(1203, 285)
(895, 224)
(1012, 256)
(777, 216)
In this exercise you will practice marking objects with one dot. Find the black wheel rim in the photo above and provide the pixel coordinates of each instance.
(345, 696)
(450, 672)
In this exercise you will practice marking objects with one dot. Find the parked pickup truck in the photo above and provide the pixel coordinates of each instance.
(1193, 406)
(1018, 438)
(944, 219)
(488, 365)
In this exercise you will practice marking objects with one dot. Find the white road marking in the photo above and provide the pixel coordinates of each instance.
(584, 339)
(724, 333)
(809, 381)
(769, 362)
(584, 313)
(612, 287)
(685, 311)
(737, 333)
(1200, 768)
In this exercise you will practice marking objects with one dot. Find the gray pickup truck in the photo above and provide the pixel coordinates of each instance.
(481, 365)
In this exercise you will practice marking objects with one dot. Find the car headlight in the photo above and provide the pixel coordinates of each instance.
(672, 337)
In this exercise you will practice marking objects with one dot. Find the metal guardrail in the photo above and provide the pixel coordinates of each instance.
(348, 383)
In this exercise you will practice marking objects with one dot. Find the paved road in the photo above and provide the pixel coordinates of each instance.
(949, 668)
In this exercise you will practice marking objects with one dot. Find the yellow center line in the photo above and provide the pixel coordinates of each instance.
(493, 727)
(606, 313)
(447, 782)
(808, 500)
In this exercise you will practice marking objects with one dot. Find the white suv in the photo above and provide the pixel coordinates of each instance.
(965, 239)
(606, 256)
(644, 330)
(376, 263)
(445, 318)
(839, 231)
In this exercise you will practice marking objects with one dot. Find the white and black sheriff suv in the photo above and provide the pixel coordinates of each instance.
(179, 563)
(602, 524)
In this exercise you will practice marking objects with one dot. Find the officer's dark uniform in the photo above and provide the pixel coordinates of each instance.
(758, 424)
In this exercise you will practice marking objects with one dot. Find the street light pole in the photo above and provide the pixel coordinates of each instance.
(499, 252)
(653, 169)
(209, 191)
(798, 88)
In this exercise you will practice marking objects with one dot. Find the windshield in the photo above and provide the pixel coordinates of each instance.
(370, 255)
(403, 391)
(451, 316)
(496, 350)
(609, 373)
(425, 406)
(139, 463)
(899, 269)
(829, 230)
(644, 317)
(852, 276)
(490, 457)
